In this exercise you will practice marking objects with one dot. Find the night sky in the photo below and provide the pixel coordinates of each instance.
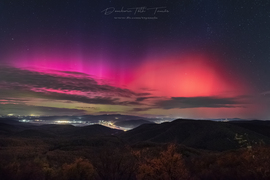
(188, 58)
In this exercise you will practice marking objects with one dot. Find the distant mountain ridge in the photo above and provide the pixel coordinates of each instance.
(132, 123)
(200, 134)
(54, 130)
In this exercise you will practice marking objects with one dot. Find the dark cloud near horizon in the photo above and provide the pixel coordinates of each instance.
(19, 83)
(12, 99)
(142, 98)
(139, 99)
(69, 98)
(199, 102)
(16, 77)
(143, 94)
(22, 83)
(140, 109)
(39, 110)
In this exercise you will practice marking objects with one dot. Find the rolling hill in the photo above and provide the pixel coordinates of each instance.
(199, 134)
(132, 123)
(202, 134)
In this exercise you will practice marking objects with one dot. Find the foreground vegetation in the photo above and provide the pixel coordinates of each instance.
(112, 159)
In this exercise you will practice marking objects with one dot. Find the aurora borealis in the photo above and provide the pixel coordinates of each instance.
(198, 59)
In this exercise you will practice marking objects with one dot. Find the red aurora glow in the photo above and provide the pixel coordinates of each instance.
(186, 76)
(158, 78)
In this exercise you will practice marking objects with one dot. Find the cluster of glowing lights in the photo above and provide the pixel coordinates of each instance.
(68, 122)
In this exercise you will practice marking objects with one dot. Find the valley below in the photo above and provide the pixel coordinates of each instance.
(181, 149)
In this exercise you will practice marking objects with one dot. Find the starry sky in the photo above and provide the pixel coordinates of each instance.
(188, 58)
